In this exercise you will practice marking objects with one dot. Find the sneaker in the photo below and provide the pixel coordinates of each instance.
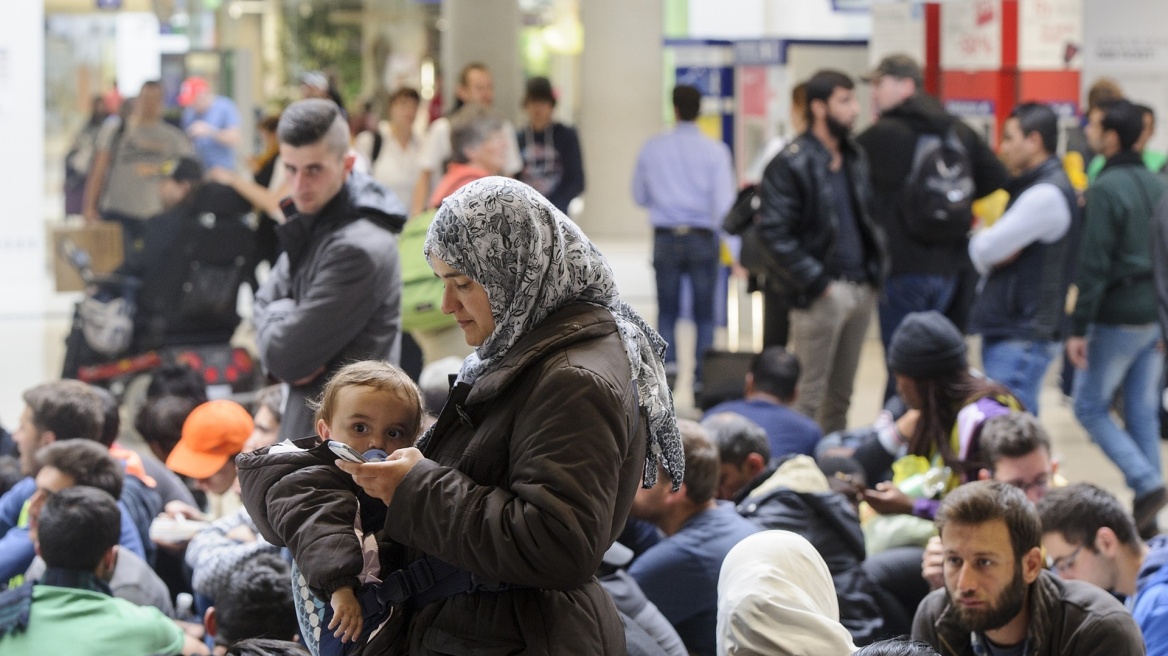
(1145, 508)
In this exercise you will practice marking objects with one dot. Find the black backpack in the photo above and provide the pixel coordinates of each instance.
(939, 191)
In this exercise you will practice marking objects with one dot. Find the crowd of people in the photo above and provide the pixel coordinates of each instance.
(530, 488)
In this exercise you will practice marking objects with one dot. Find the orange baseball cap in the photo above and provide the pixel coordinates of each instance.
(213, 433)
(190, 89)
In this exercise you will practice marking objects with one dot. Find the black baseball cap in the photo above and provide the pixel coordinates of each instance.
(183, 169)
(898, 65)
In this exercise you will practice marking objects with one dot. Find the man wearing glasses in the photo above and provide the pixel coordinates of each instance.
(1088, 536)
(1016, 449)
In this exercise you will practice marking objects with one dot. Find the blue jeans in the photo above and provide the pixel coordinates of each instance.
(695, 255)
(905, 293)
(1124, 356)
(1020, 365)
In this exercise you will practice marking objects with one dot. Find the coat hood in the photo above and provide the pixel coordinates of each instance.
(1153, 570)
(260, 470)
(923, 113)
(376, 202)
(776, 596)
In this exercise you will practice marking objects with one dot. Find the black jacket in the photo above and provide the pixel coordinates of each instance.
(797, 219)
(302, 500)
(333, 297)
(1066, 617)
(829, 523)
(1026, 298)
(890, 144)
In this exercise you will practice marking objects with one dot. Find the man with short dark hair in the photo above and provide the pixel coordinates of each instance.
(680, 573)
(64, 465)
(70, 610)
(997, 597)
(1088, 536)
(743, 451)
(1115, 339)
(924, 275)
(828, 254)
(256, 603)
(1026, 258)
(334, 295)
(686, 181)
(770, 391)
(1016, 450)
(54, 412)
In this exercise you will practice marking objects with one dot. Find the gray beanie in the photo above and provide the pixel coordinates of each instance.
(926, 344)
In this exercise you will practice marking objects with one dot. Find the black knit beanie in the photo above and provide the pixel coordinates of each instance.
(926, 344)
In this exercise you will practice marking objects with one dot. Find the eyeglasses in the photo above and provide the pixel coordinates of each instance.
(1064, 563)
(1039, 484)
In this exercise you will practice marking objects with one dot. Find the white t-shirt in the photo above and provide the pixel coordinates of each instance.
(396, 167)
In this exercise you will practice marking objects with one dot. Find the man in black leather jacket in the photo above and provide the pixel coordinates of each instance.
(828, 254)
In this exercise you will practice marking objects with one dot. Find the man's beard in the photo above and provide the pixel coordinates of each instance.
(1000, 611)
(837, 129)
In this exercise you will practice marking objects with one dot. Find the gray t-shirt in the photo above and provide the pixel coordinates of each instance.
(133, 580)
(131, 186)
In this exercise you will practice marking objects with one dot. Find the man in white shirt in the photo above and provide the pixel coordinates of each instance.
(1026, 258)
(475, 85)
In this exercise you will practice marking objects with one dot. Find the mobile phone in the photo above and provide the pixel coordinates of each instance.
(345, 452)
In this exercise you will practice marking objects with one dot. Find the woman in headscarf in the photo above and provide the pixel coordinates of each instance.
(776, 598)
(511, 499)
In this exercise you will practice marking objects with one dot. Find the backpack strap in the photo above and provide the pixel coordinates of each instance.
(429, 579)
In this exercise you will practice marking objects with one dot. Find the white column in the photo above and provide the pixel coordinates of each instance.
(486, 31)
(621, 96)
(24, 277)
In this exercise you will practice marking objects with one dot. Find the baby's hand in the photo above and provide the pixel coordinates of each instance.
(346, 615)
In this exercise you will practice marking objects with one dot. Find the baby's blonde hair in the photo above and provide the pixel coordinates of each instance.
(379, 375)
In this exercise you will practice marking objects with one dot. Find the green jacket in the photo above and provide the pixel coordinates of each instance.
(1115, 263)
(84, 623)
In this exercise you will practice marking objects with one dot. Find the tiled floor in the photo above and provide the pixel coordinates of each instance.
(31, 350)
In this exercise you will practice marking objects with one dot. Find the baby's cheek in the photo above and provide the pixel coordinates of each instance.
(392, 445)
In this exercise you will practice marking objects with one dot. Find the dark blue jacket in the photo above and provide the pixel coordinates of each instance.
(1025, 299)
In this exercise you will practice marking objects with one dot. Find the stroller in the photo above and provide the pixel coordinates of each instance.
(180, 310)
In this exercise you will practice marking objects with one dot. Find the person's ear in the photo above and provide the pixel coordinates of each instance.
(755, 464)
(1106, 542)
(47, 438)
(1054, 466)
(322, 429)
(1031, 565)
(349, 161)
(748, 386)
(984, 474)
(108, 560)
(209, 621)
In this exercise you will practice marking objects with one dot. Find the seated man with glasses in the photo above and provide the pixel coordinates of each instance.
(1089, 536)
(1016, 449)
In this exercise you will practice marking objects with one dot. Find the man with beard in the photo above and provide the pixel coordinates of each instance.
(998, 600)
(827, 254)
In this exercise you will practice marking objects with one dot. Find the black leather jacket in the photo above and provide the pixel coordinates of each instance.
(798, 221)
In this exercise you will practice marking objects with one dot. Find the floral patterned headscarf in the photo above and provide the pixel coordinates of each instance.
(533, 260)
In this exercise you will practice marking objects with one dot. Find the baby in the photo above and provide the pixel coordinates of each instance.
(299, 498)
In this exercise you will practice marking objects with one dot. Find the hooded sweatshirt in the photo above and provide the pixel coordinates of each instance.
(1150, 606)
(776, 597)
(890, 144)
